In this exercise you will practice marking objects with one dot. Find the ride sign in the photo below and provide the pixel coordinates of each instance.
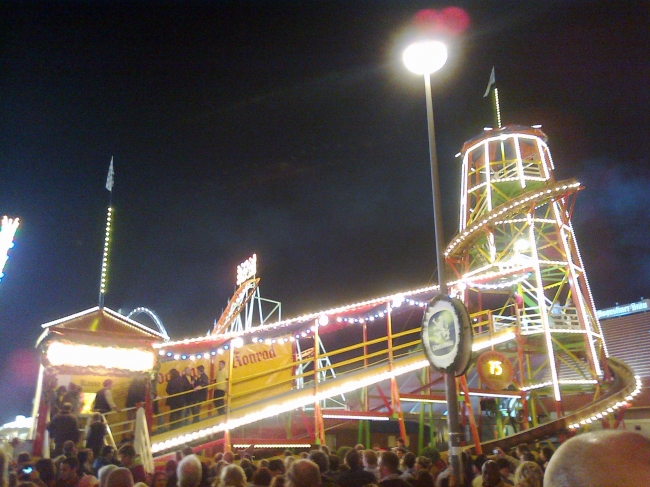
(495, 370)
(447, 335)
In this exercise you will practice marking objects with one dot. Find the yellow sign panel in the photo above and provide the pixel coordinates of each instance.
(256, 367)
(495, 370)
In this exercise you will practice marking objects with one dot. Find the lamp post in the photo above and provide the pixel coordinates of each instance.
(425, 58)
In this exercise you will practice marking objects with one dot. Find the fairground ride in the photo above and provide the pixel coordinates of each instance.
(539, 365)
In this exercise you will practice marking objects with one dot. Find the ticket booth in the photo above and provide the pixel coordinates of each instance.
(79, 353)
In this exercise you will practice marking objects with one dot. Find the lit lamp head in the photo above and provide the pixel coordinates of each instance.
(425, 57)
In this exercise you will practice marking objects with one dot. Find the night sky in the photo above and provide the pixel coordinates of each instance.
(293, 130)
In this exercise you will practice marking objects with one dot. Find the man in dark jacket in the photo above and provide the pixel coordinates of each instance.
(104, 402)
(356, 476)
(63, 427)
(389, 471)
(200, 392)
(176, 385)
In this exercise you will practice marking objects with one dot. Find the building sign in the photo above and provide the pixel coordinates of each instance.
(495, 370)
(447, 335)
(247, 269)
(626, 309)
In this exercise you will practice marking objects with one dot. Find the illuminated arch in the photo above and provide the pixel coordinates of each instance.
(153, 316)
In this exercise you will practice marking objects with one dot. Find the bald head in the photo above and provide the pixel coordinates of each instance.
(601, 459)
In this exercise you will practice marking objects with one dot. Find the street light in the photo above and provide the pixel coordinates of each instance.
(425, 58)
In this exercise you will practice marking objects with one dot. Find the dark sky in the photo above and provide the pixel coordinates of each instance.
(290, 129)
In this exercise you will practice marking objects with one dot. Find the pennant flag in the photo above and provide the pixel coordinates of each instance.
(490, 83)
(109, 178)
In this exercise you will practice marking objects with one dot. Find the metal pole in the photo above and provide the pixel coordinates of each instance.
(451, 392)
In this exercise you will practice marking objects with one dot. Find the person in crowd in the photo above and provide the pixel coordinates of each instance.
(334, 470)
(408, 461)
(69, 451)
(85, 457)
(107, 457)
(63, 427)
(69, 473)
(304, 473)
(389, 470)
(189, 472)
(135, 394)
(200, 386)
(370, 463)
(261, 477)
(477, 470)
(232, 476)
(24, 458)
(356, 476)
(325, 449)
(158, 479)
(505, 469)
(57, 402)
(129, 459)
(278, 481)
(170, 470)
(423, 479)
(229, 457)
(277, 467)
(529, 474)
(46, 471)
(221, 388)
(601, 459)
(74, 397)
(321, 459)
(103, 474)
(189, 395)
(95, 434)
(402, 444)
(88, 481)
(545, 455)
(104, 402)
(288, 461)
(120, 477)
(177, 400)
(521, 450)
(490, 475)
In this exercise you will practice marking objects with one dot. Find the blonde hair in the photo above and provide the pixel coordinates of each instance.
(529, 474)
(233, 476)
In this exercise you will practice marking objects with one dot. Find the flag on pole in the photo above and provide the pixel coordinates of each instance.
(109, 178)
(490, 83)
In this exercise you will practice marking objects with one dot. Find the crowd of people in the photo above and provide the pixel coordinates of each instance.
(598, 459)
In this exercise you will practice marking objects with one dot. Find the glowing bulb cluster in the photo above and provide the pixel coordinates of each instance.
(7, 233)
(107, 240)
(613, 407)
(292, 322)
(77, 355)
(517, 203)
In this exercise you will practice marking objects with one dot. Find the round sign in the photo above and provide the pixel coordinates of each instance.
(447, 335)
(494, 370)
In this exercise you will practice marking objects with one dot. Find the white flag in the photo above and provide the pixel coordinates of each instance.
(109, 178)
(490, 83)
